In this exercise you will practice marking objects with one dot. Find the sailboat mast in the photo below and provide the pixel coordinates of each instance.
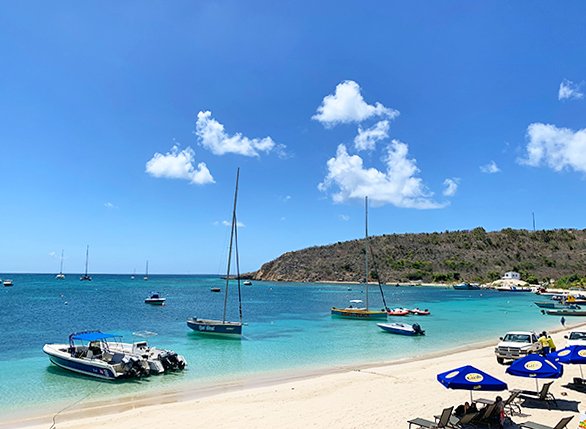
(61, 267)
(230, 248)
(238, 267)
(87, 253)
(366, 248)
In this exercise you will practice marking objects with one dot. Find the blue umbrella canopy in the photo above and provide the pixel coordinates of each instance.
(470, 378)
(535, 366)
(570, 355)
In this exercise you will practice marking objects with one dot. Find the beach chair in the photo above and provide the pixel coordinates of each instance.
(443, 422)
(543, 395)
(509, 403)
(486, 416)
(465, 421)
(561, 424)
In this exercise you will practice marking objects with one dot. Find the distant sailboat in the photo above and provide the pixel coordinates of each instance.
(146, 271)
(224, 327)
(357, 311)
(133, 274)
(61, 276)
(86, 277)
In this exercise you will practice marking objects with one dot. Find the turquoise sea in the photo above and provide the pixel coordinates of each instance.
(289, 329)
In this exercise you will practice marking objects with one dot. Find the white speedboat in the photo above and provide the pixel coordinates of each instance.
(7, 283)
(247, 283)
(402, 328)
(97, 354)
(155, 299)
(159, 360)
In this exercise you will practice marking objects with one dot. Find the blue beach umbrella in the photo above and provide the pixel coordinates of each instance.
(470, 378)
(535, 366)
(570, 355)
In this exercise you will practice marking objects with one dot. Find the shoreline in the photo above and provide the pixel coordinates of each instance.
(78, 411)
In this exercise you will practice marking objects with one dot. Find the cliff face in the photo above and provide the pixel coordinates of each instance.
(474, 255)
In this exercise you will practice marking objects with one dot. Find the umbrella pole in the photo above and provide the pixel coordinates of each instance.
(581, 374)
(471, 397)
(536, 385)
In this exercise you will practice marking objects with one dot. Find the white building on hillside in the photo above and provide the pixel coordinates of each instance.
(512, 275)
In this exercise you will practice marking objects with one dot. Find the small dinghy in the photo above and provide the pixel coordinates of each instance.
(155, 299)
(402, 328)
(398, 312)
(417, 311)
(215, 289)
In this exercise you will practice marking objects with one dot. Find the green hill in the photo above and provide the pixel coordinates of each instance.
(475, 256)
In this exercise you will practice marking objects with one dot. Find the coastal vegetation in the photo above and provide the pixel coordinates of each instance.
(441, 257)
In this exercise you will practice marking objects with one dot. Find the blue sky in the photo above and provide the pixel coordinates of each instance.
(122, 125)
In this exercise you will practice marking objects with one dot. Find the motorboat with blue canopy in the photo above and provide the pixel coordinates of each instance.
(104, 355)
(94, 353)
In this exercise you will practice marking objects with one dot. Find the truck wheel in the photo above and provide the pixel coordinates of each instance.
(500, 360)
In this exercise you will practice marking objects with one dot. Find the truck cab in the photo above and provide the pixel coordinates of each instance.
(515, 345)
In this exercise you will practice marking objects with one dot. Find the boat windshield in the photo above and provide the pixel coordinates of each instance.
(517, 338)
(577, 336)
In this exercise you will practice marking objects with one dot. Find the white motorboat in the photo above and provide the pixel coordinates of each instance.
(402, 328)
(97, 354)
(155, 299)
(7, 283)
(159, 360)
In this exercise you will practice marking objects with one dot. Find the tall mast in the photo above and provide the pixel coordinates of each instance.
(87, 253)
(366, 248)
(146, 271)
(232, 232)
(61, 267)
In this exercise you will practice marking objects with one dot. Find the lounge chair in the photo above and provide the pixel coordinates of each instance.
(444, 421)
(509, 403)
(543, 395)
(561, 424)
(464, 421)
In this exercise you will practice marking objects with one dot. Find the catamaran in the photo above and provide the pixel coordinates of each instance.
(86, 277)
(224, 327)
(61, 276)
(358, 311)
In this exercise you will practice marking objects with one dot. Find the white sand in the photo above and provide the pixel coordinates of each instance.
(388, 395)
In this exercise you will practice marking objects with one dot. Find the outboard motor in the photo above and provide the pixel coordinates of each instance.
(418, 329)
(135, 367)
(170, 360)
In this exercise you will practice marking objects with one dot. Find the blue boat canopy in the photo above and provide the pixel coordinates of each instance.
(91, 336)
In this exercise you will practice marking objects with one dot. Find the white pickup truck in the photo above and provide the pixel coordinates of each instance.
(516, 344)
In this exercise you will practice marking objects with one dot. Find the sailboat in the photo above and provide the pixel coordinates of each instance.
(133, 274)
(355, 310)
(61, 276)
(146, 275)
(87, 254)
(224, 327)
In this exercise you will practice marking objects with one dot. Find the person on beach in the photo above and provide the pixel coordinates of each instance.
(499, 406)
(544, 343)
(563, 321)
(551, 344)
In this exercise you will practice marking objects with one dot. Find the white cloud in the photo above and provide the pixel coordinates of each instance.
(109, 205)
(238, 224)
(451, 186)
(179, 165)
(286, 198)
(53, 254)
(398, 185)
(556, 148)
(367, 139)
(490, 168)
(212, 136)
(344, 218)
(570, 90)
(347, 105)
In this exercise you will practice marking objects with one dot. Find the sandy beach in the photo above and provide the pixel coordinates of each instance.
(387, 394)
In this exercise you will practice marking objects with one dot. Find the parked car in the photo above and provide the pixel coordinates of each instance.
(515, 345)
(576, 338)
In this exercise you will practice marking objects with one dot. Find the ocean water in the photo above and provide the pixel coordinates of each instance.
(288, 328)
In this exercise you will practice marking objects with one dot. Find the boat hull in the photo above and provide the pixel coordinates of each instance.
(95, 369)
(155, 301)
(399, 329)
(466, 286)
(215, 327)
(358, 313)
(562, 312)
